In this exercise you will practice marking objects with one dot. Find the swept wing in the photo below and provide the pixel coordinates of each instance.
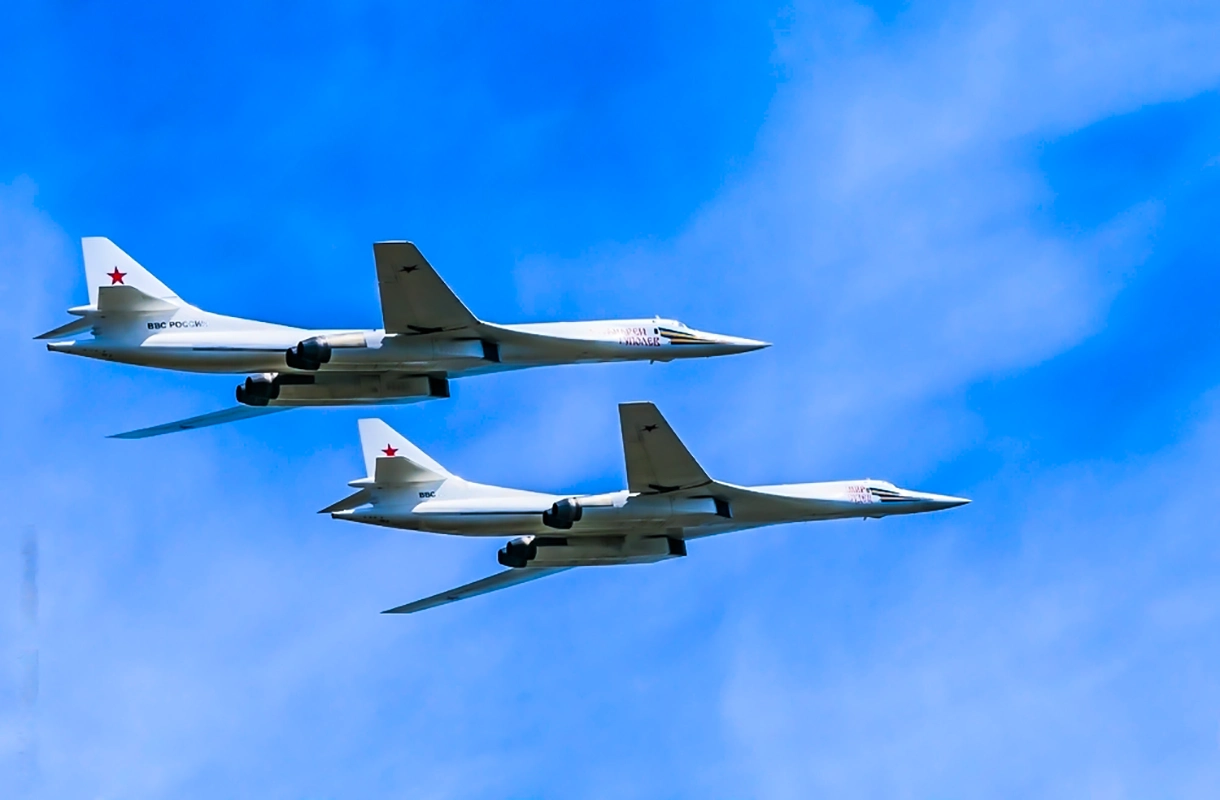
(202, 421)
(501, 580)
(68, 329)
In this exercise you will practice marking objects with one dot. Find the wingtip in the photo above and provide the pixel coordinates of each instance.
(146, 433)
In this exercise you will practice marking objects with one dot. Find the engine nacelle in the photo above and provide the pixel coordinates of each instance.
(258, 390)
(518, 552)
(293, 389)
(587, 551)
(563, 515)
(310, 354)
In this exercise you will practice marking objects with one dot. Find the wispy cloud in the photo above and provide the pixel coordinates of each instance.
(1069, 663)
(203, 631)
(886, 234)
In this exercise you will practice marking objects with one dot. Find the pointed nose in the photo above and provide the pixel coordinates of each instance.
(936, 502)
(748, 345)
(736, 344)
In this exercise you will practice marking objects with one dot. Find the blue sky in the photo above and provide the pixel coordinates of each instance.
(981, 236)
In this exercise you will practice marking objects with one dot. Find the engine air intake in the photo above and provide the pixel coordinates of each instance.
(563, 515)
(309, 355)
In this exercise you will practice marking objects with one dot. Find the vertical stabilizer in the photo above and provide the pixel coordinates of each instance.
(657, 461)
(388, 454)
(106, 265)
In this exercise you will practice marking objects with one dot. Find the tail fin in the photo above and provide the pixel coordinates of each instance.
(106, 265)
(390, 458)
(657, 461)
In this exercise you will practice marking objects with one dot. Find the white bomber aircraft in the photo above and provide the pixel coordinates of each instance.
(429, 337)
(668, 501)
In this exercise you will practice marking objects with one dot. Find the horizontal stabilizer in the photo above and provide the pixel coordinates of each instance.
(390, 459)
(657, 461)
(414, 298)
(501, 580)
(348, 503)
(203, 421)
(68, 329)
(399, 470)
(129, 299)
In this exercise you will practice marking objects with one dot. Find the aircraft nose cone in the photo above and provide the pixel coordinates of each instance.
(926, 501)
(739, 344)
(748, 345)
(940, 501)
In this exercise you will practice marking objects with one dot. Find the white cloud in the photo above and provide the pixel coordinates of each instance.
(886, 236)
(203, 628)
(1069, 663)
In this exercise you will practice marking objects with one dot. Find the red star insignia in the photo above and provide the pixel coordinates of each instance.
(116, 276)
(390, 450)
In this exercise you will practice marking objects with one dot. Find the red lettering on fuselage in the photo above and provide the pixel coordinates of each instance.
(637, 336)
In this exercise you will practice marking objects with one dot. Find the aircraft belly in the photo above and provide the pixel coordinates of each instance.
(619, 528)
(352, 388)
(757, 510)
(715, 529)
(467, 357)
(209, 360)
(187, 359)
(578, 351)
(475, 524)
(616, 520)
(575, 351)
(367, 359)
(411, 353)
(604, 550)
(531, 524)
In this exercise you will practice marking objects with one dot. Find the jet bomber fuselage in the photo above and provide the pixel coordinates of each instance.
(669, 501)
(429, 337)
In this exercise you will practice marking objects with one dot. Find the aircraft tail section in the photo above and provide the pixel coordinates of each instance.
(390, 458)
(118, 287)
(657, 461)
(108, 268)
